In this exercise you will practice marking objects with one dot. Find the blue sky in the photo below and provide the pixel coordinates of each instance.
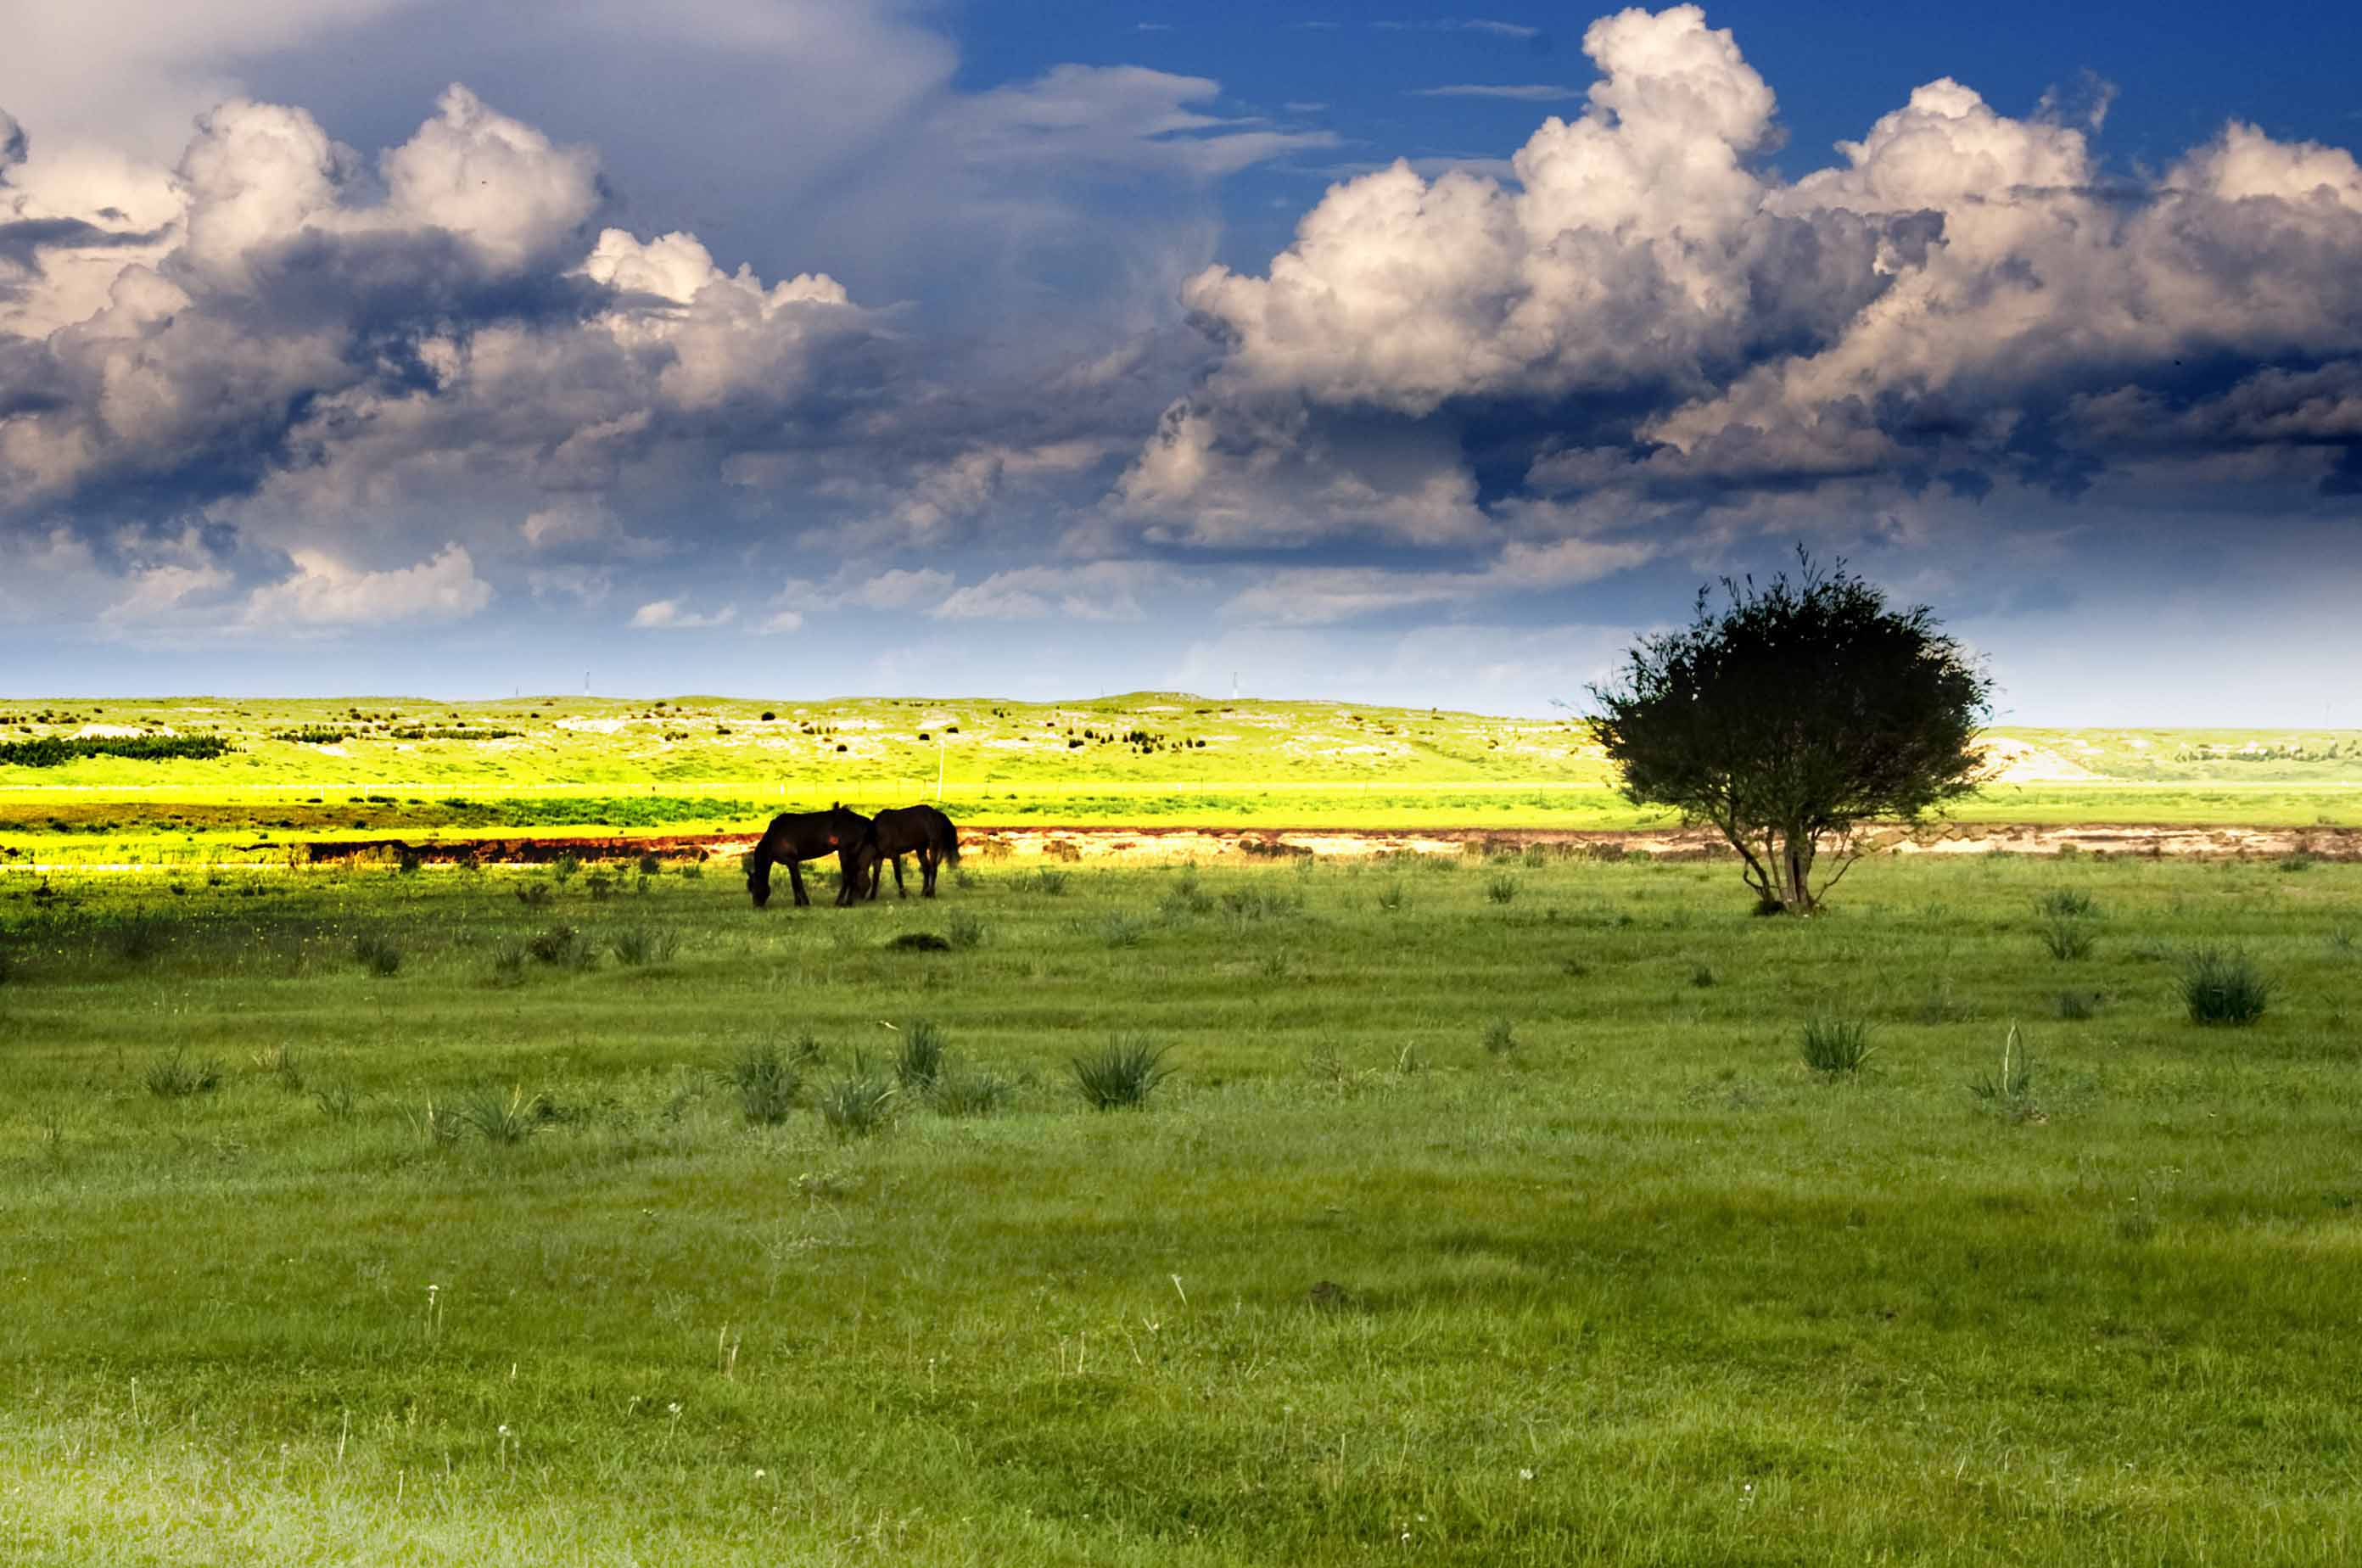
(1426, 356)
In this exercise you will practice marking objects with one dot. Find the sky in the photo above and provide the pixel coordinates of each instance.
(815, 347)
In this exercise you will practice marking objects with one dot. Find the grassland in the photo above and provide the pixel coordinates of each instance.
(377, 768)
(1491, 1218)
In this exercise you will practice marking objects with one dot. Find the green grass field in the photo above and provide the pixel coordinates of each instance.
(1491, 1216)
(369, 768)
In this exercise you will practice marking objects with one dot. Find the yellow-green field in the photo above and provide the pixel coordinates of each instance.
(396, 766)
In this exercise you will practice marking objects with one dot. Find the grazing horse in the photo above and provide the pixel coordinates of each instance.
(796, 836)
(898, 830)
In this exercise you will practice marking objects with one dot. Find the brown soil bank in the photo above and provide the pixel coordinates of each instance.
(1208, 845)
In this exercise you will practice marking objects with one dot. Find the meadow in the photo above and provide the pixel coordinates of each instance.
(1491, 1214)
(257, 775)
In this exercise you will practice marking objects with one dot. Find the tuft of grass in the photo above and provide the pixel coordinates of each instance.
(766, 1082)
(2300, 860)
(963, 929)
(2066, 938)
(970, 1091)
(2223, 987)
(1245, 905)
(561, 946)
(376, 953)
(1701, 975)
(338, 1102)
(1124, 929)
(640, 945)
(1390, 897)
(2077, 1006)
(1050, 880)
(858, 1106)
(280, 1062)
(1501, 889)
(2066, 903)
(177, 1078)
(919, 1057)
(536, 895)
(1836, 1045)
(563, 867)
(1123, 1075)
(2010, 1092)
(498, 1117)
(1501, 1038)
(508, 963)
(437, 1126)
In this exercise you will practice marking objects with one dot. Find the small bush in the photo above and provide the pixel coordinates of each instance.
(561, 945)
(2223, 987)
(639, 945)
(971, 1091)
(963, 929)
(1122, 1075)
(535, 895)
(600, 886)
(856, 1107)
(1501, 889)
(563, 867)
(650, 865)
(1500, 1038)
(377, 954)
(2066, 903)
(919, 1058)
(510, 1117)
(767, 1084)
(2066, 938)
(2077, 1006)
(1837, 1044)
(177, 1078)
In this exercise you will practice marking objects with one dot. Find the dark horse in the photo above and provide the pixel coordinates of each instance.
(898, 830)
(807, 835)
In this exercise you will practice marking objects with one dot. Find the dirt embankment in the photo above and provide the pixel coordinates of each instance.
(1214, 845)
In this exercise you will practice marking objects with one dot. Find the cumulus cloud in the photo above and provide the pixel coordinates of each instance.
(326, 593)
(669, 615)
(1649, 308)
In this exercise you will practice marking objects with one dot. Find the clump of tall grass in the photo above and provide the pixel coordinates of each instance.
(2066, 938)
(1501, 889)
(919, 1055)
(1124, 929)
(563, 867)
(177, 1078)
(765, 1081)
(2223, 987)
(1837, 1046)
(508, 963)
(963, 930)
(338, 1102)
(2077, 1006)
(1247, 904)
(1500, 1038)
(1121, 1074)
(2010, 1092)
(376, 953)
(561, 946)
(970, 1091)
(279, 1061)
(639, 945)
(2066, 903)
(535, 895)
(1050, 880)
(498, 1117)
(857, 1106)
(1390, 897)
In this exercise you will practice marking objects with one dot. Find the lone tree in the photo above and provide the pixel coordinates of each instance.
(1791, 713)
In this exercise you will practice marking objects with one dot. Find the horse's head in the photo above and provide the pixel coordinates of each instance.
(758, 875)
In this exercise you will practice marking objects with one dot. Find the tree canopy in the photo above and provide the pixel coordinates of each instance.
(1792, 713)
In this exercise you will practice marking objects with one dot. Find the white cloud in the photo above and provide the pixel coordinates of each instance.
(667, 615)
(1102, 591)
(325, 592)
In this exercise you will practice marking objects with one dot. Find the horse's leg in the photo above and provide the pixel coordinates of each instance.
(796, 877)
(900, 892)
(927, 858)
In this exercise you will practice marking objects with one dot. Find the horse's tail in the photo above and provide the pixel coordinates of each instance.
(950, 845)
